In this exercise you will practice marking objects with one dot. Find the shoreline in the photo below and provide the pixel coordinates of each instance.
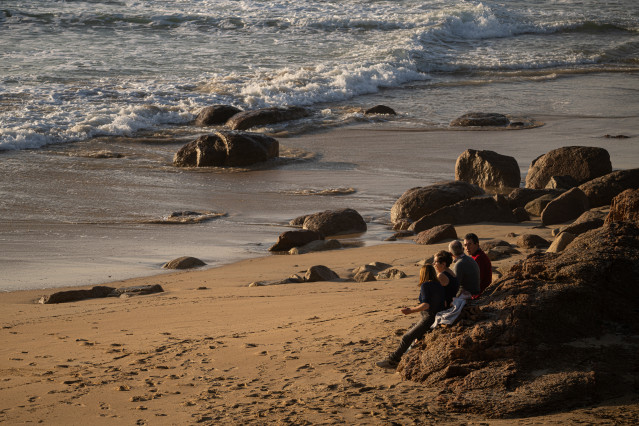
(290, 353)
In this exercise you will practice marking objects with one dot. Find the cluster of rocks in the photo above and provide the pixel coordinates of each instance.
(560, 186)
(370, 272)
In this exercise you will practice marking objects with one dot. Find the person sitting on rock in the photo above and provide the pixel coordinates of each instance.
(466, 270)
(471, 244)
(446, 276)
(431, 301)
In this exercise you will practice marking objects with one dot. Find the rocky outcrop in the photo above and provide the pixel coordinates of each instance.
(184, 262)
(582, 163)
(215, 114)
(567, 206)
(602, 190)
(298, 238)
(625, 207)
(487, 169)
(436, 234)
(333, 222)
(481, 119)
(320, 273)
(391, 274)
(533, 345)
(260, 117)
(380, 109)
(136, 290)
(227, 149)
(473, 210)
(420, 201)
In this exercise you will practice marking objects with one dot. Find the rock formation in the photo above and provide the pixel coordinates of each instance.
(600, 191)
(532, 345)
(582, 163)
(567, 206)
(333, 222)
(420, 201)
(487, 169)
(227, 149)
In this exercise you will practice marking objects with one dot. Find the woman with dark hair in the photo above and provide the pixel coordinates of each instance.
(431, 301)
(446, 276)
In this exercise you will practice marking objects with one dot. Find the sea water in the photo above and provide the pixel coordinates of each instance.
(127, 77)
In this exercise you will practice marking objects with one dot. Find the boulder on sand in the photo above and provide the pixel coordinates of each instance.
(582, 163)
(472, 210)
(420, 201)
(75, 295)
(436, 234)
(227, 149)
(535, 344)
(184, 262)
(297, 238)
(333, 222)
(567, 206)
(487, 169)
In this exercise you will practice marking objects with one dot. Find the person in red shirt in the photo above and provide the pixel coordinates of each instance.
(471, 245)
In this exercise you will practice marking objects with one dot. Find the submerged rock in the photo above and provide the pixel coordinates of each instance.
(260, 117)
(215, 114)
(380, 109)
(481, 119)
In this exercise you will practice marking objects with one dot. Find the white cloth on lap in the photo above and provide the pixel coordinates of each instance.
(449, 315)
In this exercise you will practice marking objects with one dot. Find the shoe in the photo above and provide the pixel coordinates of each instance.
(387, 363)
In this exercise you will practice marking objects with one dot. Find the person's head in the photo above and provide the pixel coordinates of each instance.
(471, 243)
(456, 248)
(442, 260)
(427, 273)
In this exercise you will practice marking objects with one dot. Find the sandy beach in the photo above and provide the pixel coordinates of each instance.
(212, 350)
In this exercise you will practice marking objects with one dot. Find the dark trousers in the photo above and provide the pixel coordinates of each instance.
(417, 331)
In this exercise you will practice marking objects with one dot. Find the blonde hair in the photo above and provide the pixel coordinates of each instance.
(427, 273)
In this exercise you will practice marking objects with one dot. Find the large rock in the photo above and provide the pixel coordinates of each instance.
(215, 114)
(583, 163)
(625, 207)
(436, 234)
(290, 239)
(602, 190)
(227, 149)
(335, 222)
(487, 169)
(473, 210)
(561, 182)
(519, 197)
(420, 201)
(533, 343)
(260, 117)
(481, 119)
(567, 206)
